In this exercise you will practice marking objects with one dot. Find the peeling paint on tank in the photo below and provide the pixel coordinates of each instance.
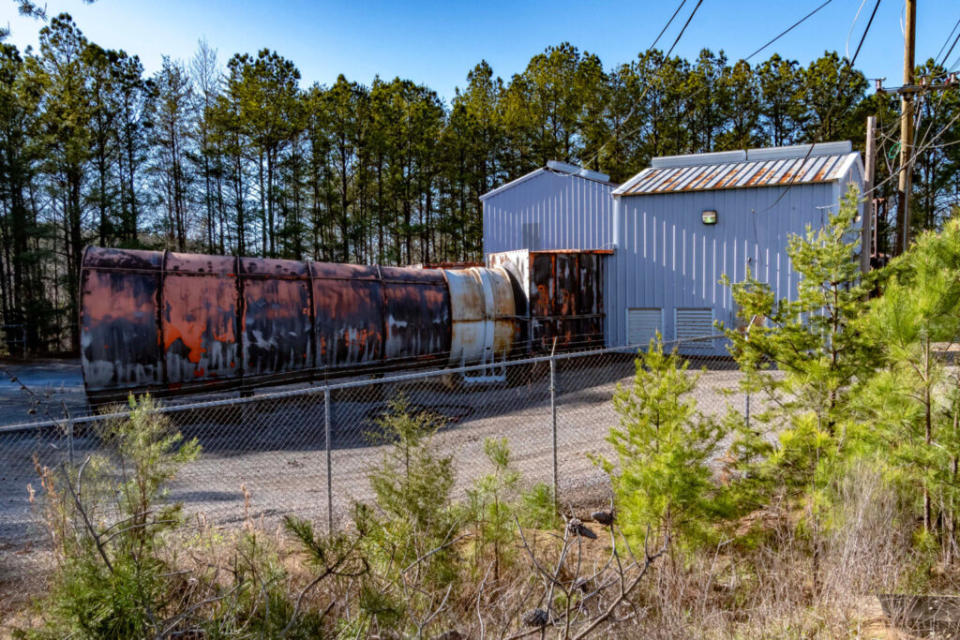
(169, 322)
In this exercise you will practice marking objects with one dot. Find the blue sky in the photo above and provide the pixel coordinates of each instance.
(436, 43)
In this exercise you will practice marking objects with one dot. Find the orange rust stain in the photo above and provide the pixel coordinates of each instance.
(543, 302)
(192, 340)
(758, 177)
(110, 298)
(196, 310)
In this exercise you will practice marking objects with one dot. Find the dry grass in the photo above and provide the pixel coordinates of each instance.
(759, 584)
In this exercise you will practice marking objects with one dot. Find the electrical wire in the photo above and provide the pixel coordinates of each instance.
(654, 75)
(788, 30)
(669, 22)
(865, 31)
(846, 46)
(950, 35)
(917, 150)
(846, 69)
(685, 25)
(950, 50)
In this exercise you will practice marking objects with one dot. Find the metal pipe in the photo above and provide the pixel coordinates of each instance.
(167, 323)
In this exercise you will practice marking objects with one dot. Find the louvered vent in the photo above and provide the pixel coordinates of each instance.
(643, 325)
(695, 323)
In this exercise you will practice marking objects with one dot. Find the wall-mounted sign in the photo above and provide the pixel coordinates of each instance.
(709, 216)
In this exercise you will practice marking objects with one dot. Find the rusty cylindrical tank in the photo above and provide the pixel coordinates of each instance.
(166, 322)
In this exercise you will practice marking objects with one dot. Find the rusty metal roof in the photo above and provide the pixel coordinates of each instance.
(742, 173)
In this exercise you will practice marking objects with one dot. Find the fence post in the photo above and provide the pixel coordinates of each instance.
(70, 441)
(553, 412)
(326, 444)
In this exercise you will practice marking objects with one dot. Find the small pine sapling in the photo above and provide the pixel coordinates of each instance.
(108, 519)
(408, 533)
(662, 481)
(807, 355)
(492, 503)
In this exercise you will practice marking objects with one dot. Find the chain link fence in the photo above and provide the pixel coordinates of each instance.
(308, 451)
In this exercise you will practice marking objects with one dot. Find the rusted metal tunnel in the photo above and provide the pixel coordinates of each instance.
(559, 296)
(166, 322)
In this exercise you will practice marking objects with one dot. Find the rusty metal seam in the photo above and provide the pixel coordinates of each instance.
(83, 260)
(241, 310)
(384, 316)
(446, 283)
(164, 377)
(314, 345)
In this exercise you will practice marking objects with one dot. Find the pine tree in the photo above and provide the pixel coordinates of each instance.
(912, 406)
(793, 450)
(662, 482)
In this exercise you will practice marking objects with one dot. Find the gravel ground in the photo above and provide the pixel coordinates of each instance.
(266, 457)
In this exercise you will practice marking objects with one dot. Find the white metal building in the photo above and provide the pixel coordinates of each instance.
(675, 229)
(685, 221)
(559, 206)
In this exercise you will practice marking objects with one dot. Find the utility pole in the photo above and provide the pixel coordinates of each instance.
(906, 132)
(866, 216)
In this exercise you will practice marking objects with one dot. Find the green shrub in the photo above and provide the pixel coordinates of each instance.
(407, 533)
(662, 481)
(107, 517)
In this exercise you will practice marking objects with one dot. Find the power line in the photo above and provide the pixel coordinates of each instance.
(670, 21)
(654, 75)
(846, 46)
(823, 123)
(685, 24)
(950, 50)
(865, 31)
(788, 30)
(918, 149)
(950, 35)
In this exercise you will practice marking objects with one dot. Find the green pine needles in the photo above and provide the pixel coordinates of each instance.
(108, 517)
(662, 480)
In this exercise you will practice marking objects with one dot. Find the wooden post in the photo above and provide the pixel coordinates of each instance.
(906, 131)
(866, 211)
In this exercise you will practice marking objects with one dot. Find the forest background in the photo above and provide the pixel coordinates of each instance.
(239, 158)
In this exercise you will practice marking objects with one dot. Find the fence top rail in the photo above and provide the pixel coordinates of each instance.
(67, 421)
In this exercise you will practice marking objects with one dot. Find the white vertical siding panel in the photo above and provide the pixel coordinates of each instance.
(572, 212)
(644, 275)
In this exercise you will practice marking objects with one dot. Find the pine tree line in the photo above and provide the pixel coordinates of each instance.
(242, 159)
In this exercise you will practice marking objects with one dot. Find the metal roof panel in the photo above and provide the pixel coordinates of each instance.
(769, 172)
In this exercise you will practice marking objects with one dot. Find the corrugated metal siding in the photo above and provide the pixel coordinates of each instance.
(667, 258)
(738, 175)
(569, 212)
(643, 325)
(694, 323)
